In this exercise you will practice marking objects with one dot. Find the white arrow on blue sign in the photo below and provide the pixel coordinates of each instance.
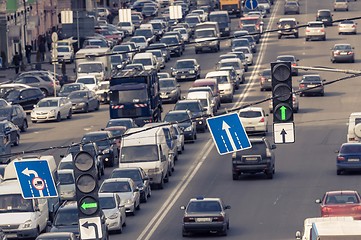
(228, 133)
(251, 4)
(35, 179)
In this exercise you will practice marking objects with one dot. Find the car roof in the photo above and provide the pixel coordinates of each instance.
(178, 111)
(109, 180)
(230, 60)
(188, 101)
(315, 22)
(342, 192)
(198, 199)
(107, 194)
(53, 235)
(311, 75)
(205, 81)
(259, 109)
(187, 60)
(287, 19)
(65, 171)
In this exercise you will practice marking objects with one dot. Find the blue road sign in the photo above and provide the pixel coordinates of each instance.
(251, 4)
(35, 179)
(228, 133)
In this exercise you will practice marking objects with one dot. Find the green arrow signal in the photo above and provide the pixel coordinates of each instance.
(283, 113)
(86, 206)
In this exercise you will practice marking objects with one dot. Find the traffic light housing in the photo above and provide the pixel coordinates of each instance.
(86, 183)
(282, 97)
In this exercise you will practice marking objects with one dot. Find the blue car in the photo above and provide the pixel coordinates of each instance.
(349, 158)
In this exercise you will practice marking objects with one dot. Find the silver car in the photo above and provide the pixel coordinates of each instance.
(291, 7)
(347, 27)
(340, 5)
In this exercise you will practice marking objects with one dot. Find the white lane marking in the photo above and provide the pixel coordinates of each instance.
(173, 197)
(31, 188)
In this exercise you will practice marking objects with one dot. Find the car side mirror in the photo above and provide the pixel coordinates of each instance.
(146, 178)
(337, 151)
(318, 201)
(61, 156)
(183, 208)
(324, 80)
(273, 146)
(136, 190)
(48, 223)
(298, 235)
(227, 207)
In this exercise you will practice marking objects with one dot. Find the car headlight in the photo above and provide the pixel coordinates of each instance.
(174, 73)
(227, 29)
(191, 71)
(129, 201)
(114, 216)
(52, 111)
(81, 104)
(106, 151)
(27, 224)
(173, 91)
(188, 128)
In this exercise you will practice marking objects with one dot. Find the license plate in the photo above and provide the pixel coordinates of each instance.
(163, 96)
(353, 160)
(251, 159)
(203, 219)
(183, 76)
(343, 53)
(324, 20)
(249, 128)
(311, 85)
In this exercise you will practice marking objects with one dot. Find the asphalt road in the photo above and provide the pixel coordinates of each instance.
(261, 208)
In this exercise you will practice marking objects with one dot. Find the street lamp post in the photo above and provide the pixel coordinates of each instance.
(25, 22)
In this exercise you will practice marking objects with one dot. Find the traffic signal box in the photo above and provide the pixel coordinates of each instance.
(282, 92)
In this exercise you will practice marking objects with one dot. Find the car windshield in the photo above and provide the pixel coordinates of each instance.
(348, 198)
(66, 217)
(311, 79)
(145, 153)
(167, 83)
(65, 165)
(204, 206)
(315, 25)
(111, 187)
(250, 29)
(100, 139)
(291, 4)
(107, 202)
(144, 32)
(353, 148)
(250, 114)
(116, 59)
(347, 22)
(15, 203)
(5, 112)
(90, 68)
(192, 106)
(48, 103)
(184, 64)
(117, 132)
(158, 54)
(286, 59)
(176, 117)
(124, 24)
(229, 64)
(66, 178)
(63, 49)
(324, 14)
(144, 61)
(266, 73)
(120, 122)
(220, 79)
(121, 48)
(249, 21)
(86, 80)
(148, 9)
(12, 94)
(133, 174)
(169, 40)
(342, 47)
(138, 39)
(70, 88)
(220, 18)
(205, 33)
(289, 23)
(192, 20)
(77, 95)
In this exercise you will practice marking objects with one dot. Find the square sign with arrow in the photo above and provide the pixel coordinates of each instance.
(284, 133)
(90, 228)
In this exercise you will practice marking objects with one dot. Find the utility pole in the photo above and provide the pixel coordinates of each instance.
(25, 22)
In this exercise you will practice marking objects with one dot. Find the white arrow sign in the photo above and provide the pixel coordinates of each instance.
(27, 172)
(226, 128)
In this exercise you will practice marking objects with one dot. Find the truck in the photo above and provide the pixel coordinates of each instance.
(93, 61)
(336, 230)
(208, 3)
(203, 34)
(223, 20)
(135, 94)
(231, 6)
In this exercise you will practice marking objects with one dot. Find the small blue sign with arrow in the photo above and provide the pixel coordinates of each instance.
(251, 4)
(228, 133)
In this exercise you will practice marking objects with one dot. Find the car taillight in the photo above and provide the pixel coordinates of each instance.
(218, 219)
(263, 79)
(326, 210)
(262, 120)
(307, 30)
(302, 86)
(337, 53)
(353, 26)
(349, 53)
(294, 64)
(188, 219)
(340, 158)
(357, 208)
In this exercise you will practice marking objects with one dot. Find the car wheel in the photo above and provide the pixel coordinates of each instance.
(339, 172)
(324, 39)
(183, 147)
(195, 136)
(44, 91)
(86, 108)
(279, 36)
(166, 179)
(17, 140)
(138, 207)
(97, 107)
(306, 39)
(269, 175)
(235, 177)
(24, 127)
(58, 117)
(70, 114)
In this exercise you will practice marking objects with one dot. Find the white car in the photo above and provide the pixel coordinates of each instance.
(128, 27)
(52, 108)
(247, 53)
(265, 5)
(237, 64)
(126, 190)
(114, 211)
(254, 120)
(315, 30)
(180, 138)
(140, 41)
(225, 84)
(184, 33)
(103, 91)
(346, 27)
(65, 53)
(90, 82)
(202, 14)
(66, 184)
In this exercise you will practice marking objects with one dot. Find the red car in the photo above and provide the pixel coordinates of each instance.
(341, 203)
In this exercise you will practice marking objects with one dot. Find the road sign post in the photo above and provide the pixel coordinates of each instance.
(228, 133)
(35, 179)
(54, 54)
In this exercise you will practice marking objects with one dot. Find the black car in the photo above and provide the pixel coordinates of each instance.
(140, 178)
(26, 97)
(126, 122)
(10, 130)
(348, 158)
(183, 118)
(325, 16)
(287, 27)
(198, 113)
(66, 220)
(106, 143)
(258, 159)
(149, 11)
(265, 80)
(68, 88)
(84, 101)
(16, 115)
(186, 69)
(170, 90)
(173, 44)
(311, 85)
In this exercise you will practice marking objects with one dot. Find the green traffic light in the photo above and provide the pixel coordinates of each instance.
(86, 206)
(283, 110)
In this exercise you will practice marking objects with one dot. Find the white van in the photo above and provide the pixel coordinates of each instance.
(354, 128)
(206, 100)
(66, 184)
(146, 149)
(19, 217)
(148, 60)
(225, 84)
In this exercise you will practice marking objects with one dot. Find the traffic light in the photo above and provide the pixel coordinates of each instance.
(86, 183)
(282, 92)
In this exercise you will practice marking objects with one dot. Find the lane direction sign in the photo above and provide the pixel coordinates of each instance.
(35, 179)
(228, 133)
(251, 4)
(284, 133)
(90, 228)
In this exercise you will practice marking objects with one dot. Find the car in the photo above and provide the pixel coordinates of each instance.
(170, 90)
(254, 120)
(127, 47)
(140, 41)
(247, 53)
(214, 99)
(250, 20)
(287, 27)
(252, 42)
(342, 52)
(347, 27)
(65, 53)
(184, 33)
(197, 111)
(48, 85)
(225, 84)
(163, 47)
(10, 130)
(52, 108)
(240, 42)
(66, 89)
(136, 20)
(213, 84)
(265, 80)
(180, 138)
(117, 62)
(57, 235)
(349, 158)
(90, 82)
(128, 27)
(149, 11)
(5, 87)
(340, 203)
(66, 184)
(240, 55)
(15, 114)
(114, 211)
(126, 189)
(258, 13)
(260, 158)
(183, 118)
(106, 143)
(126, 122)
(340, 5)
(354, 128)
(315, 30)
(84, 101)
(173, 44)
(295, 103)
(325, 16)
(205, 215)
(103, 92)
(186, 69)
(159, 56)
(311, 85)
(265, 4)
(252, 30)
(26, 97)
(238, 67)
(292, 59)
(66, 220)
(148, 33)
(291, 7)
(140, 178)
